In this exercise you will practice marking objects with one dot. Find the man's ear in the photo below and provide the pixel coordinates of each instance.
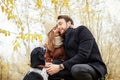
(69, 24)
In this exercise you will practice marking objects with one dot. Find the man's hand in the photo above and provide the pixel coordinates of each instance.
(53, 69)
(48, 64)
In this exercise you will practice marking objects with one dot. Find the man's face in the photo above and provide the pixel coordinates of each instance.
(62, 26)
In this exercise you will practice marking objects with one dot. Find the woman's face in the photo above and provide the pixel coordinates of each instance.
(56, 32)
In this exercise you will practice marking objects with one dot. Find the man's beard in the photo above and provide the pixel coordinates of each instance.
(63, 31)
(62, 34)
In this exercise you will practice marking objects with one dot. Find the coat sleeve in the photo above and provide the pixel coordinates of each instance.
(47, 57)
(86, 42)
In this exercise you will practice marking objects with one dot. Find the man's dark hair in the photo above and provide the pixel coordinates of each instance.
(66, 18)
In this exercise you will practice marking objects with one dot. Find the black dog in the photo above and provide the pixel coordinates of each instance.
(37, 59)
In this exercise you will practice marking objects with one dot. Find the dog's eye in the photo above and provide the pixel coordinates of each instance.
(41, 57)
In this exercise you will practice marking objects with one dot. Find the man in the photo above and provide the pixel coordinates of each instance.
(83, 59)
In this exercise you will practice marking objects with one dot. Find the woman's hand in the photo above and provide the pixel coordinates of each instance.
(53, 69)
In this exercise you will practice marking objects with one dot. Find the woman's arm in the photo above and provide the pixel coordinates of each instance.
(48, 57)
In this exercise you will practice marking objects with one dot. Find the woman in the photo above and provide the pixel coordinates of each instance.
(55, 50)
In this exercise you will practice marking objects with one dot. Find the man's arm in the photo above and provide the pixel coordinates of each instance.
(54, 68)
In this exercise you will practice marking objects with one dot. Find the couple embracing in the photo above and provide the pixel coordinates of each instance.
(72, 53)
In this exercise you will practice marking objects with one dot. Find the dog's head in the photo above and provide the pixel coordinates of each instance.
(37, 57)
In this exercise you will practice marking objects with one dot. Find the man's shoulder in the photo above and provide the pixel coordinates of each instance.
(83, 31)
(81, 28)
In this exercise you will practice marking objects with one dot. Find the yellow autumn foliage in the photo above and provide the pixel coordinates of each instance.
(55, 2)
(31, 37)
(6, 33)
(4, 69)
(86, 8)
(8, 7)
(66, 3)
(16, 45)
(38, 4)
(3, 9)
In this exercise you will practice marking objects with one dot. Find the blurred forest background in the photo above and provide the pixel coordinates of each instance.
(24, 24)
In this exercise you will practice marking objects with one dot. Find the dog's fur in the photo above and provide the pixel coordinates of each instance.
(37, 58)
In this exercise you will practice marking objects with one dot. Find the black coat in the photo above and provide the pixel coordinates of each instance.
(81, 48)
